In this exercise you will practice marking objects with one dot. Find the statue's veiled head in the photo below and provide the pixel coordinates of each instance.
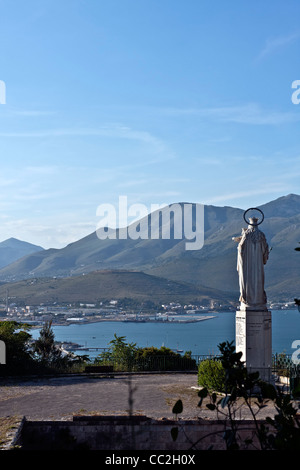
(253, 221)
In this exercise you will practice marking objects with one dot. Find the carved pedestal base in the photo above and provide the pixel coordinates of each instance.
(253, 337)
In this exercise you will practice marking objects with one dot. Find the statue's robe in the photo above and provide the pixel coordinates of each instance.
(253, 252)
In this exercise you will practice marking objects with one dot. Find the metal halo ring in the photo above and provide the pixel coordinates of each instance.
(253, 209)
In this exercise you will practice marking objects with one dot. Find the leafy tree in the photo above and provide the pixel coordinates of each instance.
(45, 348)
(151, 358)
(50, 356)
(119, 353)
(128, 356)
(25, 356)
(18, 354)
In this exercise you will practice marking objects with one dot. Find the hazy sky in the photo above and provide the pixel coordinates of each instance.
(159, 100)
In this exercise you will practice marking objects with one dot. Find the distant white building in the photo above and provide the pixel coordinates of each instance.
(76, 319)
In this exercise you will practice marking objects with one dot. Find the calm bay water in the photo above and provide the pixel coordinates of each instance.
(199, 337)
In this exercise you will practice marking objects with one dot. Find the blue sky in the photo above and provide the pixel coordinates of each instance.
(159, 100)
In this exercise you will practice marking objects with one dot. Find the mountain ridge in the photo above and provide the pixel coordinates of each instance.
(213, 266)
(13, 249)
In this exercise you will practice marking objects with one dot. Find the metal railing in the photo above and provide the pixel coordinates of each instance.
(281, 363)
(157, 363)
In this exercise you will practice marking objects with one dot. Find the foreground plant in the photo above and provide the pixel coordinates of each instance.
(241, 389)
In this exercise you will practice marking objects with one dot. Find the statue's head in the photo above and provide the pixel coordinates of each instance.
(253, 221)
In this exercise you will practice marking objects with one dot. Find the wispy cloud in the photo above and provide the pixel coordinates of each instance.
(12, 112)
(276, 43)
(208, 161)
(54, 233)
(250, 113)
(41, 170)
(249, 192)
(110, 131)
(31, 113)
(106, 130)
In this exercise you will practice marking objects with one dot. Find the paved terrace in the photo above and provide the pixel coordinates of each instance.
(60, 398)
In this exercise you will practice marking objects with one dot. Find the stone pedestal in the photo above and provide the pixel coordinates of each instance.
(254, 339)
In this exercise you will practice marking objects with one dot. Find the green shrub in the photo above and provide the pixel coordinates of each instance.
(151, 358)
(211, 375)
(127, 357)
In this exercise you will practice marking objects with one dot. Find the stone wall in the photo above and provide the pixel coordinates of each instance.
(126, 433)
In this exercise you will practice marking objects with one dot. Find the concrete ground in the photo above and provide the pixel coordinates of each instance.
(60, 398)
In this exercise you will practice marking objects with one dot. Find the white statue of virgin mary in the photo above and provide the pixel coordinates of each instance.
(253, 253)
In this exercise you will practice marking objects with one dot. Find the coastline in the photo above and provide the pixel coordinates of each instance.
(201, 337)
(128, 320)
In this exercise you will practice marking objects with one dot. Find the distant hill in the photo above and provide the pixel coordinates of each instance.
(213, 266)
(109, 285)
(13, 249)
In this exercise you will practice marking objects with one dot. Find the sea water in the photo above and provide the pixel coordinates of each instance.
(200, 337)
